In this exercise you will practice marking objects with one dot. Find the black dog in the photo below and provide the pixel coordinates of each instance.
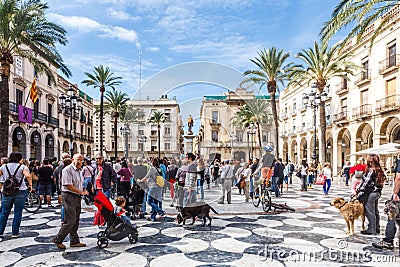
(194, 209)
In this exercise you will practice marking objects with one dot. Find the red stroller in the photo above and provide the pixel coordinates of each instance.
(116, 228)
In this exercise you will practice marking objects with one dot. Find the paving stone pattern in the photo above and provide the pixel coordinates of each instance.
(240, 235)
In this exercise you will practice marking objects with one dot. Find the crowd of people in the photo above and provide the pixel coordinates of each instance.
(187, 180)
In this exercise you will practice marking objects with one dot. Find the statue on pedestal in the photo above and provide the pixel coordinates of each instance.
(190, 124)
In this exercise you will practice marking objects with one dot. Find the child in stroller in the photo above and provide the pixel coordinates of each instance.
(120, 211)
(116, 228)
(89, 199)
(134, 202)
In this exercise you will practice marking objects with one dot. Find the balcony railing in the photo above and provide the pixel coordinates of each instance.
(340, 117)
(362, 111)
(13, 107)
(40, 116)
(342, 88)
(293, 112)
(363, 77)
(91, 139)
(90, 121)
(285, 116)
(61, 131)
(53, 121)
(387, 104)
(389, 64)
(77, 136)
(84, 137)
(214, 123)
(76, 115)
(283, 134)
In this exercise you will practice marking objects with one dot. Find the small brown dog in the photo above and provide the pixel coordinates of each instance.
(350, 212)
(194, 209)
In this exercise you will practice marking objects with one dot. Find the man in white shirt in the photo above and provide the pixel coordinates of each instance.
(227, 176)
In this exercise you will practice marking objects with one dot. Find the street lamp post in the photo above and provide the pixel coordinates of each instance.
(313, 100)
(125, 131)
(143, 140)
(72, 103)
(251, 130)
(232, 138)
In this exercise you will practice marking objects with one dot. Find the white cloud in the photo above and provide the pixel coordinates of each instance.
(121, 15)
(120, 33)
(153, 49)
(83, 24)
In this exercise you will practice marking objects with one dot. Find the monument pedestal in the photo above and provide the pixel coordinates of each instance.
(189, 142)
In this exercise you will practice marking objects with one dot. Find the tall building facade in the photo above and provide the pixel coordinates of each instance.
(44, 137)
(142, 139)
(219, 138)
(360, 113)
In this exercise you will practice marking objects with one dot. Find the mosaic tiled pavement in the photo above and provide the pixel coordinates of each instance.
(240, 235)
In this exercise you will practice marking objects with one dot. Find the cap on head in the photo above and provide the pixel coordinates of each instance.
(268, 148)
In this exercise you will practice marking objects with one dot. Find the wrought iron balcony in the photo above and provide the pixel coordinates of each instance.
(340, 117)
(40, 116)
(362, 111)
(342, 88)
(90, 121)
(389, 64)
(284, 134)
(285, 116)
(61, 131)
(91, 139)
(13, 107)
(388, 104)
(363, 77)
(84, 137)
(53, 121)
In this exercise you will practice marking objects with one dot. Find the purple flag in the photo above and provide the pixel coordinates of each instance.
(25, 114)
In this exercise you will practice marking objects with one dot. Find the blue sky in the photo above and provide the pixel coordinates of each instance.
(176, 32)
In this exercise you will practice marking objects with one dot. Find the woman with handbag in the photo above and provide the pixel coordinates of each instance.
(303, 172)
(327, 173)
(14, 198)
(369, 193)
(154, 194)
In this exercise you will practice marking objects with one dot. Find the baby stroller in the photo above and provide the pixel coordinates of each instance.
(134, 201)
(116, 228)
(89, 199)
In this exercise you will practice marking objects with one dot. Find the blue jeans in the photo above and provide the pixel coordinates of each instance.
(143, 209)
(107, 193)
(86, 180)
(200, 187)
(7, 203)
(153, 199)
(251, 190)
(327, 186)
(62, 213)
(275, 186)
(189, 197)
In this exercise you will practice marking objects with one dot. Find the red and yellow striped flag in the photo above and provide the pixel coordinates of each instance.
(33, 91)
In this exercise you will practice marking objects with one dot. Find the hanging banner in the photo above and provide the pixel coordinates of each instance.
(25, 114)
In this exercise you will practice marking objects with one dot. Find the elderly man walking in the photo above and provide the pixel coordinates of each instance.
(72, 190)
(227, 176)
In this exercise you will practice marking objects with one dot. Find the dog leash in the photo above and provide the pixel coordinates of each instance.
(343, 205)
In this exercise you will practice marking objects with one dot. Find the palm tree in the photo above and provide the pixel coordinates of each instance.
(26, 32)
(359, 14)
(321, 64)
(101, 78)
(253, 112)
(272, 70)
(157, 117)
(116, 105)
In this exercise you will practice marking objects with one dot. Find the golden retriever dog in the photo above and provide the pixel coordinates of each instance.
(350, 212)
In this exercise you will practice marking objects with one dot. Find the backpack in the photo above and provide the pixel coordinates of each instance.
(291, 168)
(11, 185)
